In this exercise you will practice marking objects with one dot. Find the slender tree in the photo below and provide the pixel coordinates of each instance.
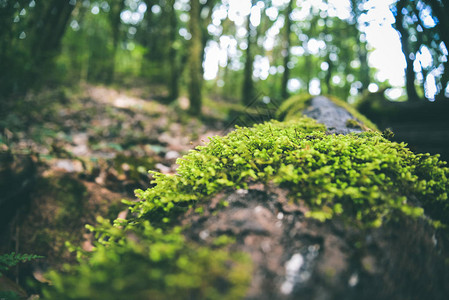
(28, 48)
(174, 72)
(248, 84)
(117, 7)
(440, 9)
(287, 43)
(194, 60)
(362, 51)
(405, 43)
(47, 29)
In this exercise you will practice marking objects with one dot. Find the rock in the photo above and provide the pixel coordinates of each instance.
(172, 155)
(328, 113)
(67, 165)
(163, 168)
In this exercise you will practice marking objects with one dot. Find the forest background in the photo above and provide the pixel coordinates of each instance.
(247, 48)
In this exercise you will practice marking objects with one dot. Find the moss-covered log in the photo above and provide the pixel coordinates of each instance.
(283, 210)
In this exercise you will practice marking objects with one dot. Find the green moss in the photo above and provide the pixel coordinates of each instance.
(361, 178)
(144, 262)
(352, 123)
(293, 107)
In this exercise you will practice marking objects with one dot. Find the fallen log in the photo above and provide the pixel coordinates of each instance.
(297, 209)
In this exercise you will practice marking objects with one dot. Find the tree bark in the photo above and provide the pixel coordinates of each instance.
(404, 35)
(195, 62)
(115, 21)
(173, 86)
(49, 29)
(248, 84)
(287, 42)
(362, 52)
(441, 11)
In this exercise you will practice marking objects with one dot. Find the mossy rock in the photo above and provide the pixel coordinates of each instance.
(297, 105)
(347, 207)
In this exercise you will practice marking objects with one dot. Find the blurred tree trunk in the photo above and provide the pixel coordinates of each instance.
(117, 7)
(362, 51)
(404, 36)
(147, 37)
(205, 21)
(48, 27)
(195, 62)
(327, 78)
(364, 67)
(330, 67)
(440, 9)
(248, 84)
(173, 86)
(287, 43)
(27, 51)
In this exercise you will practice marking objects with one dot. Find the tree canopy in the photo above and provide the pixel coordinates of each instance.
(243, 50)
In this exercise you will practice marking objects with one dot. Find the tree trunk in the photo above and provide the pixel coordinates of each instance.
(362, 52)
(173, 86)
(115, 21)
(49, 29)
(195, 62)
(327, 78)
(441, 11)
(26, 62)
(248, 84)
(287, 42)
(404, 35)
(205, 36)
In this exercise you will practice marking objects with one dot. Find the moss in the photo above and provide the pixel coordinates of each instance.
(293, 106)
(145, 262)
(352, 123)
(361, 178)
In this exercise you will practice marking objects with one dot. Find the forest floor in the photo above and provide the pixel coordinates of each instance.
(77, 157)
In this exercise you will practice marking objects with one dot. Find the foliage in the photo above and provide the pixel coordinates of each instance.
(111, 40)
(422, 26)
(144, 262)
(11, 259)
(30, 34)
